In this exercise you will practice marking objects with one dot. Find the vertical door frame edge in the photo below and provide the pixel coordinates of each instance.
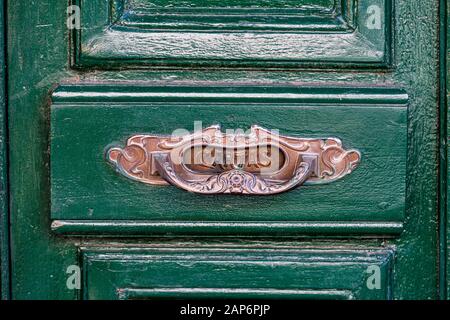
(4, 197)
(443, 156)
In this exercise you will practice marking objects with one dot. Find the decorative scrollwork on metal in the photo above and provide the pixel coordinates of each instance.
(211, 162)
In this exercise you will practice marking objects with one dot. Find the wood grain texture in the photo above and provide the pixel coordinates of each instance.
(223, 272)
(132, 34)
(85, 121)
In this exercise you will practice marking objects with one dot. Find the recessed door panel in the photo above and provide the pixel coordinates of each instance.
(223, 273)
(92, 195)
(263, 34)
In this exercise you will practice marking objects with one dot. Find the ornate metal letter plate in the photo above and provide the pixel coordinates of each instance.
(260, 162)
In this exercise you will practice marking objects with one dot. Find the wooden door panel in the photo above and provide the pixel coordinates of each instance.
(89, 196)
(202, 272)
(118, 33)
(126, 51)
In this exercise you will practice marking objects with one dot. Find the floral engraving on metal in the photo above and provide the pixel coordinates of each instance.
(261, 162)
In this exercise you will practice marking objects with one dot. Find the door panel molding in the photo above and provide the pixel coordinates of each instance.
(344, 33)
(227, 293)
(124, 228)
(223, 272)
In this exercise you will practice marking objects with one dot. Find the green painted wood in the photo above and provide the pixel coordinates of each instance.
(220, 293)
(234, 15)
(38, 60)
(37, 53)
(4, 214)
(86, 120)
(443, 162)
(223, 272)
(445, 169)
(120, 33)
(136, 228)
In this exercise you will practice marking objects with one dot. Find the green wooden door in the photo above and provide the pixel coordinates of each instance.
(85, 78)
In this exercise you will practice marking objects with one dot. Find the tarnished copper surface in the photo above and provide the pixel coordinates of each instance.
(260, 162)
